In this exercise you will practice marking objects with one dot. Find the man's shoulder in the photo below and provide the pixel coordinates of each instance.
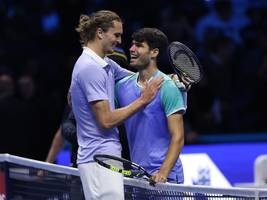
(86, 63)
(168, 85)
(167, 79)
(126, 81)
(129, 78)
(110, 61)
(84, 59)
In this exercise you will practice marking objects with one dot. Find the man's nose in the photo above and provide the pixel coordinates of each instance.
(119, 40)
(133, 48)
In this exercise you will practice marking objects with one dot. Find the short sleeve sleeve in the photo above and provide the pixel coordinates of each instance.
(93, 82)
(172, 98)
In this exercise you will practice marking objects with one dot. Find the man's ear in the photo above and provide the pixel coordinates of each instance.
(99, 33)
(154, 53)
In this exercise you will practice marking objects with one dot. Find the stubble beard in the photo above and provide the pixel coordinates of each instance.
(140, 65)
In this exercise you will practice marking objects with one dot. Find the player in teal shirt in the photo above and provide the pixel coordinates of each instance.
(155, 133)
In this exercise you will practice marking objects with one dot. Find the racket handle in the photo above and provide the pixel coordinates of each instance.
(182, 86)
(151, 182)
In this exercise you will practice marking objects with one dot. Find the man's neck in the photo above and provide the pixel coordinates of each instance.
(96, 48)
(146, 74)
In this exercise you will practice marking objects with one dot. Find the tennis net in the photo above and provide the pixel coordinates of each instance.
(26, 179)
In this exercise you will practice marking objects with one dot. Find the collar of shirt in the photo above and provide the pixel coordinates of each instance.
(157, 73)
(102, 62)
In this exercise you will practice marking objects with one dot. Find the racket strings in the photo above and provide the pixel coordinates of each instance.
(127, 168)
(185, 62)
(112, 162)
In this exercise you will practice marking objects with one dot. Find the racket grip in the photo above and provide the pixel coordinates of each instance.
(152, 182)
(180, 85)
(183, 85)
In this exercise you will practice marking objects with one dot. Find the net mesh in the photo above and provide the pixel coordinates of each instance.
(30, 180)
(32, 184)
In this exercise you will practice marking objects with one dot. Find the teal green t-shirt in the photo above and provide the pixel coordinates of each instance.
(147, 130)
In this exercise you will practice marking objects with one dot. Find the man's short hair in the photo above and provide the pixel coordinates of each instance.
(154, 37)
(88, 24)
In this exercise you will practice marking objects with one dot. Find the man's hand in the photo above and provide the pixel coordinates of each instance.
(181, 82)
(159, 178)
(150, 89)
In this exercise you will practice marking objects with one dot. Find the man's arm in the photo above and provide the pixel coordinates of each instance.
(176, 128)
(56, 146)
(68, 128)
(109, 118)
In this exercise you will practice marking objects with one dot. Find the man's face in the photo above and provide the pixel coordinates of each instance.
(112, 37)
(140, 55)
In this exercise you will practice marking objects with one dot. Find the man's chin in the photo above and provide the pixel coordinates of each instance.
(136, 66)
(131, 64)
(109, 51)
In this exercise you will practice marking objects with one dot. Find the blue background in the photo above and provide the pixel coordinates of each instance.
(235, 160)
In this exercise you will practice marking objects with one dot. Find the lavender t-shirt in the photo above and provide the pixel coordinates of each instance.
(93, 79)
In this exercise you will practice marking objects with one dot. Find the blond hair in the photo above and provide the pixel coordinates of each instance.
(89, 24)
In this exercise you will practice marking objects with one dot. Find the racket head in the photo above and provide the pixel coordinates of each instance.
(184, 62)
(121, 165)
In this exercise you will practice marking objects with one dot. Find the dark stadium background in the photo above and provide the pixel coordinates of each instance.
(38, 47)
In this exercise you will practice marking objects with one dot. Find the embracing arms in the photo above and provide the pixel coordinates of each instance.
(108, 118)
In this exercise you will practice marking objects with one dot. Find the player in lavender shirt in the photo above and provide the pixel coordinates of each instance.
(96, 76)
(92, 94)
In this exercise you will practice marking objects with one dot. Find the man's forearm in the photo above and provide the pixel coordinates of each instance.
(56, 146)
(176, 128)
(108, 119)
(173, 153)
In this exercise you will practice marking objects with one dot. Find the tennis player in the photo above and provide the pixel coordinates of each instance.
(155, 133)
(67, 129)
(92, 97)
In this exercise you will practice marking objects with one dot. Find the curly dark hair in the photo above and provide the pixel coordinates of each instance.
(154, 37)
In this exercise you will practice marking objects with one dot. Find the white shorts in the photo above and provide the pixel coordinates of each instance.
(100, 183)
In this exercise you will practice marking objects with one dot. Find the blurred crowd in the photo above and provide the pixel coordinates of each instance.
(38, 47)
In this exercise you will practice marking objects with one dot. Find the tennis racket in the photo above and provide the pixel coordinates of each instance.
(123, 166)
(185, 63)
